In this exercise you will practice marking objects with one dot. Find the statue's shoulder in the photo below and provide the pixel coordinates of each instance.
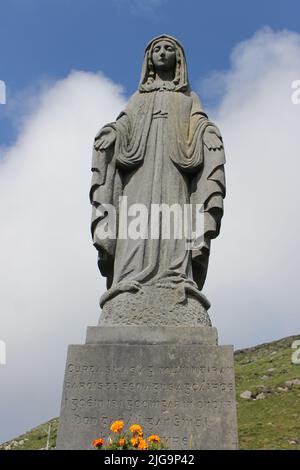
(134, 97)
(192, 100)
(189, 93)
(135, 101)
(138, 97)
(197, 107)
(194, 96)
(138, 103)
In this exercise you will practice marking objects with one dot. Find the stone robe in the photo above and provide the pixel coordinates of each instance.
(158, 158)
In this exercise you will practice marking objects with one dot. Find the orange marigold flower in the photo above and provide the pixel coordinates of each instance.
(117, 426)
(154, 438)
(143, 445)
(134, 441)
(98, 442)
(122, 442)
(136, 429)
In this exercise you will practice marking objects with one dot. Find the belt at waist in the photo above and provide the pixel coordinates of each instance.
(155, 116)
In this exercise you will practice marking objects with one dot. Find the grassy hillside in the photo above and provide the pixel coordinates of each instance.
(269, 416)
(272, 421)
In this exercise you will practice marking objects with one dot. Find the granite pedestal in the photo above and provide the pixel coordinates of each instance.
(173, 380)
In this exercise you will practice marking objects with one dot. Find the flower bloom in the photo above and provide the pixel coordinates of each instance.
(154, 438)
(136, 429)
(143, 444)
(98, 442)
(117, 426)
(122, 442)
(134, 441)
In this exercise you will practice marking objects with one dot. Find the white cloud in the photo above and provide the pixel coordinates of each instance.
(253, 277)
(51, 286)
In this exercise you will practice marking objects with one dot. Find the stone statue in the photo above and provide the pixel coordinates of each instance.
(161, 150)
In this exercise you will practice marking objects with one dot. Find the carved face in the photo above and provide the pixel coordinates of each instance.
(164, 55)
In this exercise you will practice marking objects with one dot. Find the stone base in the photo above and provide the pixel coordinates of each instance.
(156, 306)
(174, 381)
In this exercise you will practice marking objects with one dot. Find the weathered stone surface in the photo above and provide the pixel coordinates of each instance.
(155, 306)
(247, 395)
(292, 382)
(152, 335)
(181, 390)
(260, 396)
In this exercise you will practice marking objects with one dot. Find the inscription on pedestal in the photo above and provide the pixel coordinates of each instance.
(185, 393)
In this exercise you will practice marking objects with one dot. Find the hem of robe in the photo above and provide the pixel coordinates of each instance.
(186, 287)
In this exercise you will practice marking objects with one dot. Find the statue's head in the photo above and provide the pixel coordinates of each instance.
(164, 53)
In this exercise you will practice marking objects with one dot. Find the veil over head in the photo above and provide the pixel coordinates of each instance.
(180, 82)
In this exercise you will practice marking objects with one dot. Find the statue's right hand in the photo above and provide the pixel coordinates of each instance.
(105, 140)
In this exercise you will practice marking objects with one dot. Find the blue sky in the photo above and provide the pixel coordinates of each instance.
(45, 39)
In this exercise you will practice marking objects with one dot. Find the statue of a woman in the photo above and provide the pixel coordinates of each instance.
(162, 149)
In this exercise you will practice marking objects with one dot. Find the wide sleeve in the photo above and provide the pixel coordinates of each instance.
(208, 190)
(106, 188)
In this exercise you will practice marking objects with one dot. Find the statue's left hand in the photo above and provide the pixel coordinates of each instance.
(212, 138)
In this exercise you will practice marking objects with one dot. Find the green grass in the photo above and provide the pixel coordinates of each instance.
(36, 439)
(274, 421)
(270, 423)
